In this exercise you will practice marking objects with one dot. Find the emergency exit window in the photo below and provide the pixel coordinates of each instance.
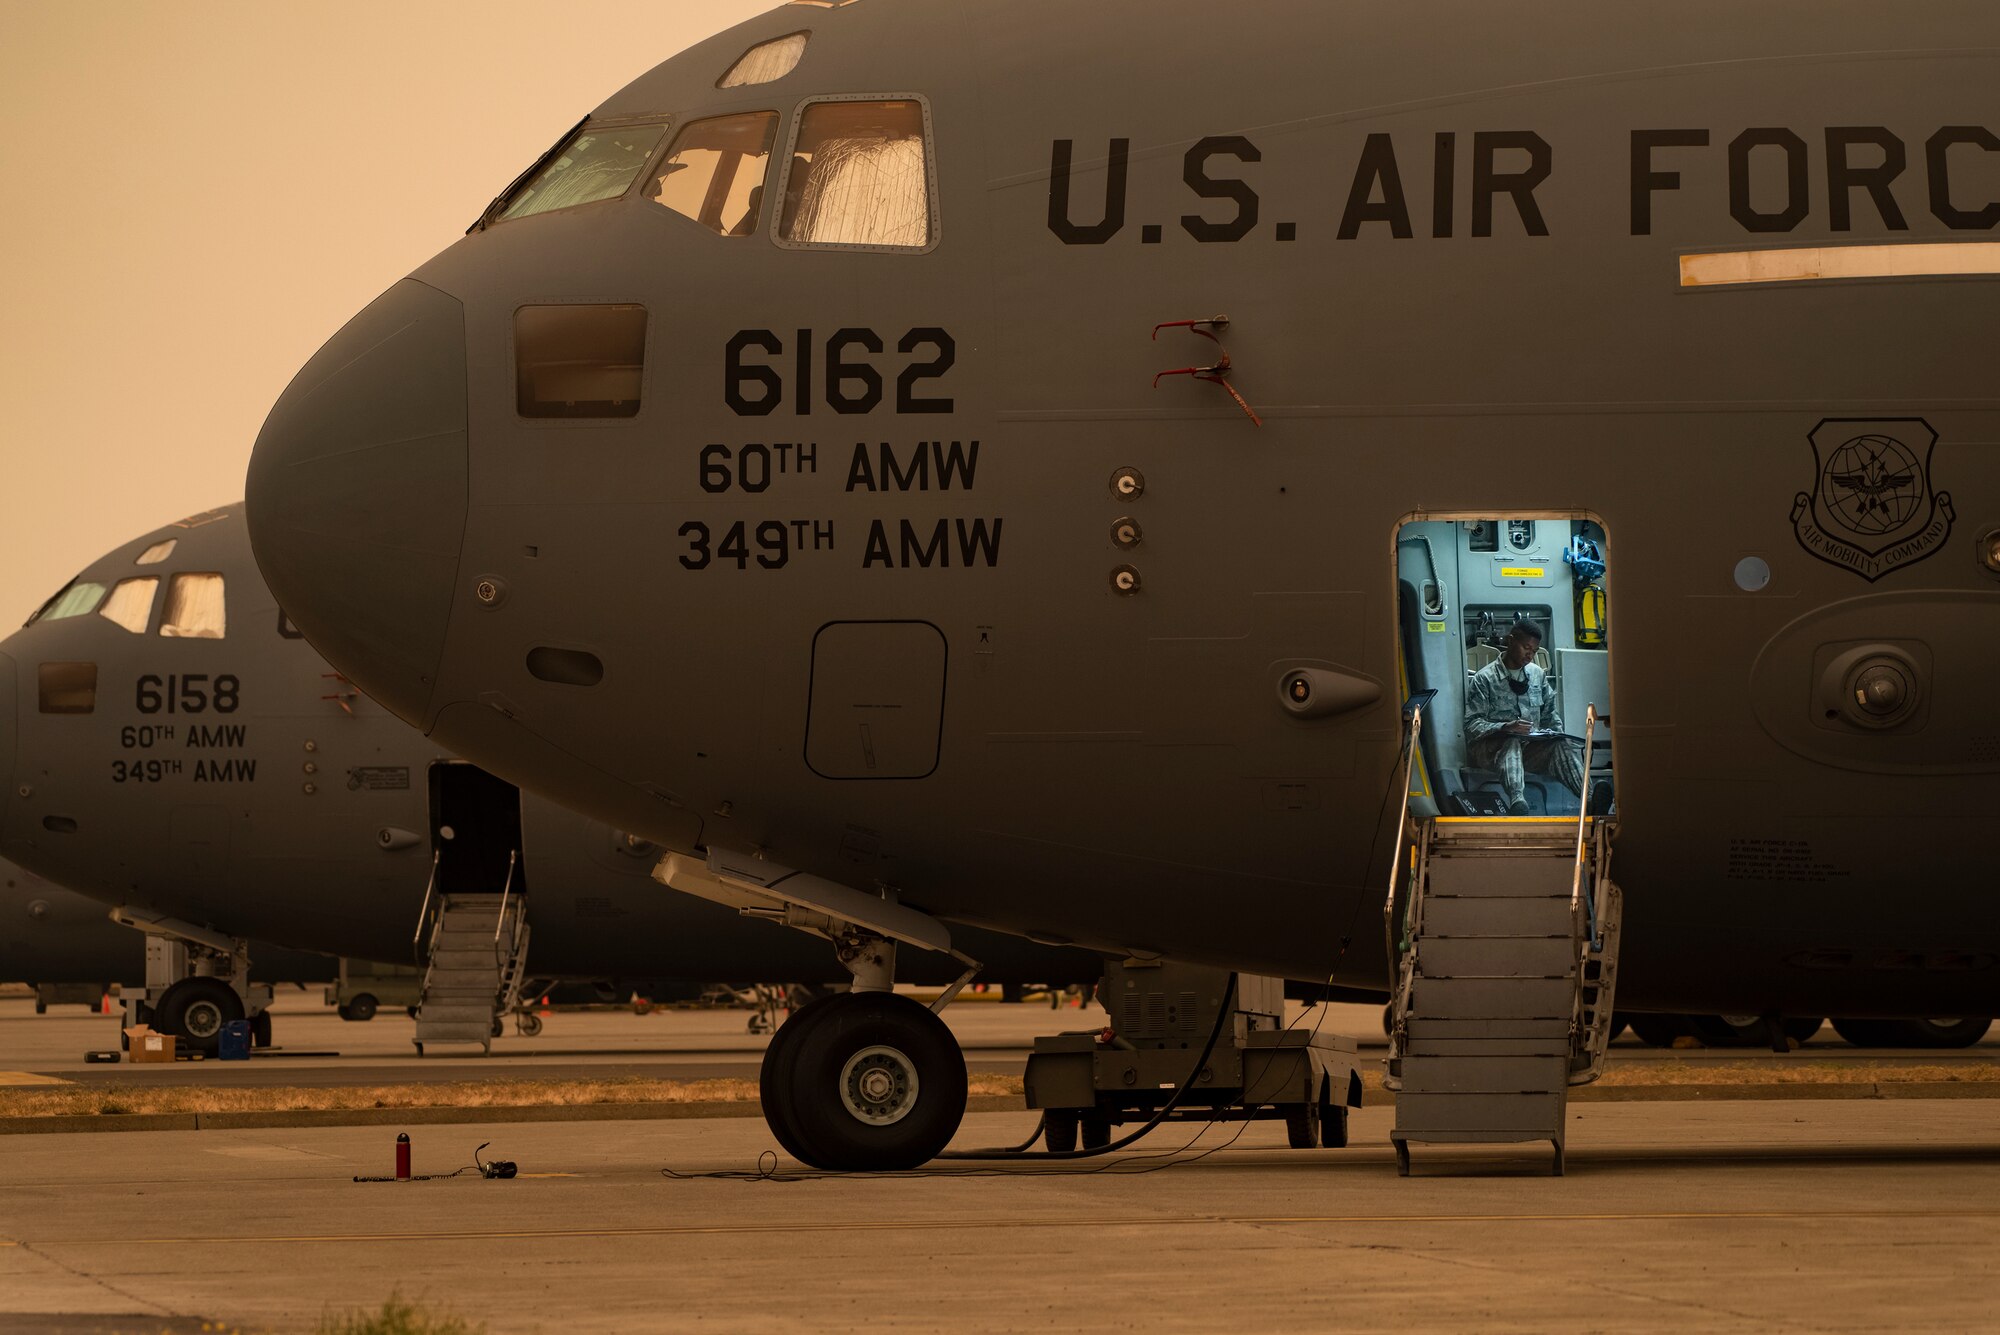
(131, 604)
(579, 361)
(715, 173)
(767, 62)
(195, 609)
(859, 176)
(68, 688)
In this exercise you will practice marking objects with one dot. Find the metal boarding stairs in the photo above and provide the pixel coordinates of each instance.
(474, 964)
(1503, 944)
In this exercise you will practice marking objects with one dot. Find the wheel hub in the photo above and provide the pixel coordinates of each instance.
(203, 1019)
(878, 1085)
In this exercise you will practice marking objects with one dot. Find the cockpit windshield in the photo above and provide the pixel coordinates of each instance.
(78, 598)
(598, 162)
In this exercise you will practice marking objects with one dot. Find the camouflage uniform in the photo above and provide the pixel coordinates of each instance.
(1491, 703)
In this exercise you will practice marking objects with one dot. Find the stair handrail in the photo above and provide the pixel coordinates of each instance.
(424, 913)
(1416, 712)
(513, 859)
(1582, 828)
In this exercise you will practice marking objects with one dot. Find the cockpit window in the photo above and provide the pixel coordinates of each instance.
(597, 163)
(195, 609)
(131, 604)
(158, 552)
(767, 62)
(579, 361)
(859, 176)
(79, 599)
(715, 174)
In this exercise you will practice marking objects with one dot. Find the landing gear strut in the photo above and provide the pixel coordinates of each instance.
(859, 1081)
(197, 981)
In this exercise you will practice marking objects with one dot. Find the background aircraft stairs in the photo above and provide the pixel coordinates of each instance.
(474, 967)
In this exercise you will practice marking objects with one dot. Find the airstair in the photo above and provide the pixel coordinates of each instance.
(1504, 938)
(474, 965)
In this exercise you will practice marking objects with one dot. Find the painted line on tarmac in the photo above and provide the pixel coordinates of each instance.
(927, 1225)
(14, 1079)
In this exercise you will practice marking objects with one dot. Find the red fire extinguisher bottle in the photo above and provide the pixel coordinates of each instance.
(402, 1154)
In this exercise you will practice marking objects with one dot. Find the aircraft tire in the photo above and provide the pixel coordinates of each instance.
(194, 1011)
(1723, 1031)
(260, 1029)
(772, 1083)
(1937, 1033)
(875, 1084)
(1957, 1033)
(1865, 1033)
(1657, 1031)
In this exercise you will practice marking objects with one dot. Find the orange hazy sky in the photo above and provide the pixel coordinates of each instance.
(201, 193)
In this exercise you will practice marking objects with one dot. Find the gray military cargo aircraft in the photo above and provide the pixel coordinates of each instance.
(173, 748)
(1065, 467)
(67, 948)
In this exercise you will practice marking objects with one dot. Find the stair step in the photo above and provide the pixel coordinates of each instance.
(450, 1009)
(1455, 915)
(1494, 998)
(1415, 1049)
(1501, 878)
(1496, 957)
(1485, 1075)
(1438, 1114)
(1485, 1028)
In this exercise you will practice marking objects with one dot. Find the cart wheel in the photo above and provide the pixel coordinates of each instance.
(1301, 1126)
(1095, 1129)
(530, 1024)
(1059, 1130)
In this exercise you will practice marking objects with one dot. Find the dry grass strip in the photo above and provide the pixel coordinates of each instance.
(116, 1100)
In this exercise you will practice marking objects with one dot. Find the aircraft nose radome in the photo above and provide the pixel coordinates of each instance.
(356, 494)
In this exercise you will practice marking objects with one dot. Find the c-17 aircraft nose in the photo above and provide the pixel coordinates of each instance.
(10, 723)
(356, 495)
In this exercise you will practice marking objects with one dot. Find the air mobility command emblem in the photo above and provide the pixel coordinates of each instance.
(1872, 509)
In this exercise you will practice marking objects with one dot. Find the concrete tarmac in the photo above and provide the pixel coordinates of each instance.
(1744, 1216)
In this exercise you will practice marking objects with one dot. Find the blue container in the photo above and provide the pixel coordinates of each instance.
(234, 1044)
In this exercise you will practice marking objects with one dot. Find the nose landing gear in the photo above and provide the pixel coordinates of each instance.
(859, 1081)
(863, 1081)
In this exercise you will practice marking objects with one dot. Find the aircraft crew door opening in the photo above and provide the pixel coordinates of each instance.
(1508, 620)
(475, 830)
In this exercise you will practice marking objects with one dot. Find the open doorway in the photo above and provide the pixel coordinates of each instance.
(1507, 619)
(475, 830)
